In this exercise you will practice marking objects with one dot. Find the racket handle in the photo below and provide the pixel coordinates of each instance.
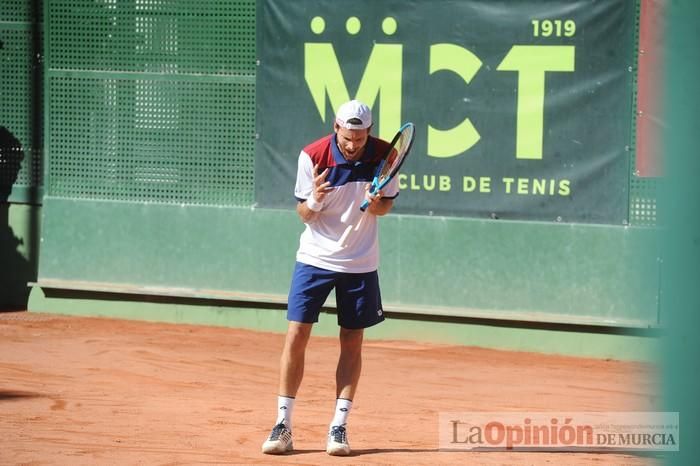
(372, 191)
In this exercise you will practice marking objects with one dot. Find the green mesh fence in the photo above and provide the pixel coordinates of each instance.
(164, 36)
(152, 101)
(20, 127)
(18, 10)
(643, 196)
(145, 140)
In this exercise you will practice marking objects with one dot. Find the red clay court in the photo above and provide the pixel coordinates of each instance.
(79, 390)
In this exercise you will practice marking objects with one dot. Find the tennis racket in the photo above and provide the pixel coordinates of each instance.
(388, 168)
(393, 159)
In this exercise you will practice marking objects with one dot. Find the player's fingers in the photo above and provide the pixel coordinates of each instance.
(369, 195)
(318, 179)
(321, 190)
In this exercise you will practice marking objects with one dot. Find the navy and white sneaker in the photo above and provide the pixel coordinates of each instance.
(337, 444)
(279, 441)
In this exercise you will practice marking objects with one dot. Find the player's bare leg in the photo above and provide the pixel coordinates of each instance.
(292, 359)
(347, 376)
(291, 374)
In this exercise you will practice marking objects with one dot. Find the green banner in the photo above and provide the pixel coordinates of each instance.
(523, 109)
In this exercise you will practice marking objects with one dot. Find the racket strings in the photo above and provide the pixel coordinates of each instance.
(399, 151)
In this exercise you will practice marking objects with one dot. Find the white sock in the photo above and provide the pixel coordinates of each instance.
(285, 406)
(342, 409)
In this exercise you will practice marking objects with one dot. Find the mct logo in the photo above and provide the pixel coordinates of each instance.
(382, 77)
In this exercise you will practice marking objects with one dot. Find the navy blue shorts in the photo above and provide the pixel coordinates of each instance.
(357, 296)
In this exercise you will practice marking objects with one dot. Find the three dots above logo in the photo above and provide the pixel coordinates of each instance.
(353, 25)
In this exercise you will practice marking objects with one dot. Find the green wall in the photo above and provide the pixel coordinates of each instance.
(430, 265)
(556, 288)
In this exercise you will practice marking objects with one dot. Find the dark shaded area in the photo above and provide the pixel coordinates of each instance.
(15, 269)
(133, 297)
(15, 395)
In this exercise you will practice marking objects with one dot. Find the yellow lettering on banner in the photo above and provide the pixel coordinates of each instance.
(564, 187)
(482, 184)
(414, 185)
(533, 62)
(445, 183)
(508, 182)
(537, 186)
(381, 82)
(469, 184)
(414, 182)
(523, 185)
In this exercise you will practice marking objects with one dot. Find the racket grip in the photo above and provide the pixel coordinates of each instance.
(364, 205)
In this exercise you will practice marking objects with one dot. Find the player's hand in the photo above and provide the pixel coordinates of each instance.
(372, 197)
(321, 186)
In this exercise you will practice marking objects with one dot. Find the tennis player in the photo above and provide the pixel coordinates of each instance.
(333, 177)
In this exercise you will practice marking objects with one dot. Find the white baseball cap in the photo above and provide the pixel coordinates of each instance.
(354, 115)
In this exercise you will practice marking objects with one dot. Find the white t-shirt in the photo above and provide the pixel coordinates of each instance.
(320, 243)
